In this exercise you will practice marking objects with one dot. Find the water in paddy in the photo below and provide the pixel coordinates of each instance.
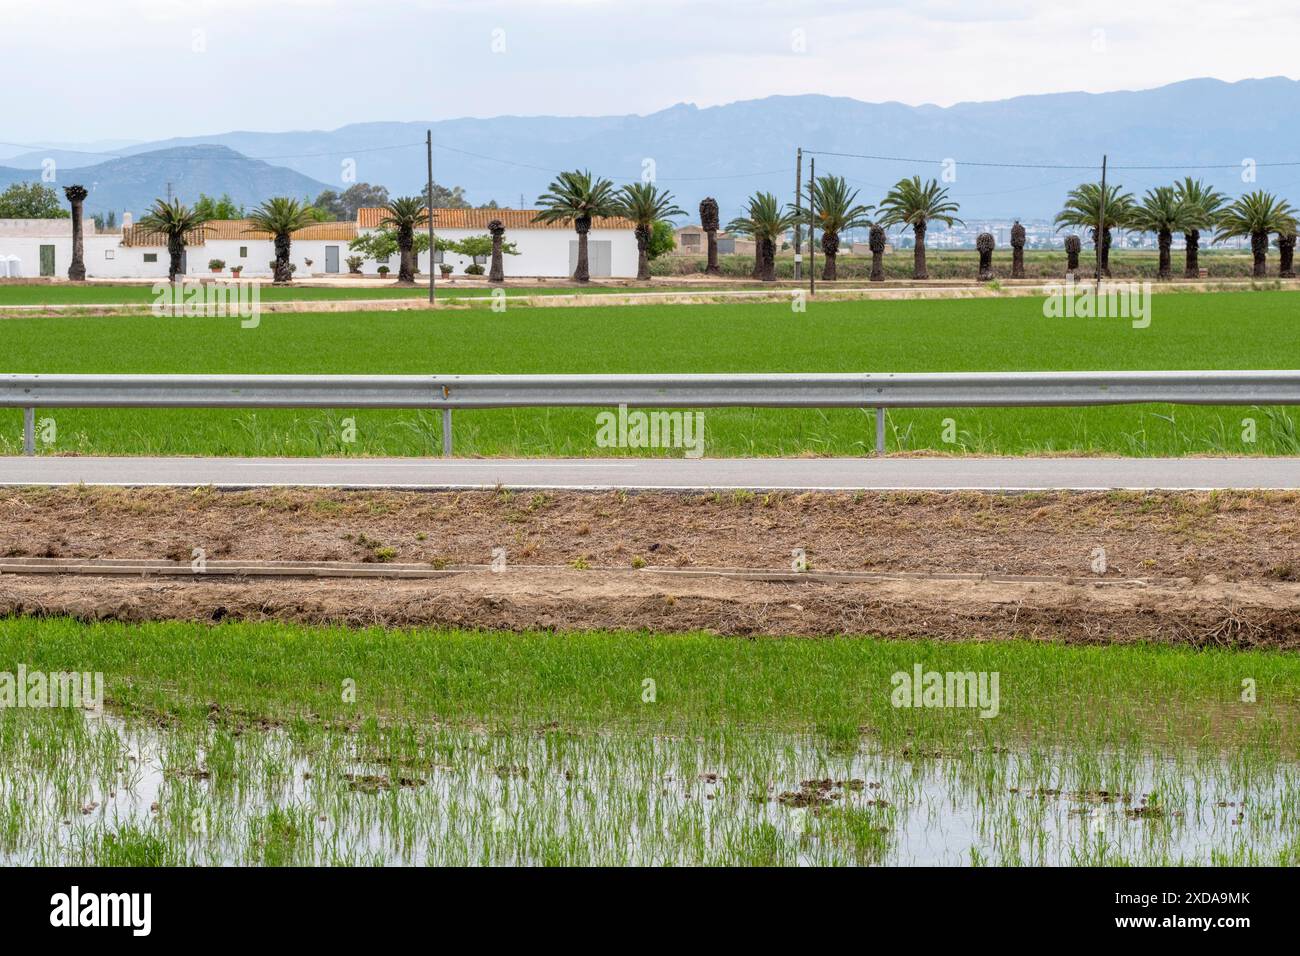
(96, 789)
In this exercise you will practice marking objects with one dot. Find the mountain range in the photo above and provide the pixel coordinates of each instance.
(730, 151)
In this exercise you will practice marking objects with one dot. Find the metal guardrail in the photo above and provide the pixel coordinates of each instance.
(878, 390)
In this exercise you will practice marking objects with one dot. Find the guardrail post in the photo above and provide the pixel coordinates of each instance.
(880, 431)
(29, 431)
(446, 433)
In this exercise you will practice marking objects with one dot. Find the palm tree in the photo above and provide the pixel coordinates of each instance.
(1017, 251)
(1256, 215)
(709, 223)
(281, 217)
(1205, 203)
(913, 204)
(497, 230)
(1083, 209)
(404, 215)
(77, 197)
(578, 197)
(175, 220)
(1072, 245)
(1164, 212)
(1286, 255)
(877, 242)
(645, 204)
(984, 246)
(766, 221)
(834, 209)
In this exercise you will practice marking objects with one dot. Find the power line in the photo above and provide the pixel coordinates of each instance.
(994, 165)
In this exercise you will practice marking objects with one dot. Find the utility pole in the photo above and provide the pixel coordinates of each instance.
(433, 245)
(169, 192)
(798, 210)
(812, 229)
(1101, 222)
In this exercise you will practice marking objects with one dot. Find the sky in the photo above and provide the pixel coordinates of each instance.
(90, 71)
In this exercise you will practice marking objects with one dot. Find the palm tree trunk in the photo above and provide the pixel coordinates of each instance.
(767, 248)
(758, 258)
(877, 254)
(77, 196)
(583, 271)
(498, 273)
(1259, 249)
(1192, 269)
(918, 253)
(282, 271)
(175, 250)
(406, 243)
(712, 268)
(643, 253)
(831, 250)
(1165, 272)
(1286, 255)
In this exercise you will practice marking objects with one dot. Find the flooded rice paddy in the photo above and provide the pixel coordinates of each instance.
(100, 789)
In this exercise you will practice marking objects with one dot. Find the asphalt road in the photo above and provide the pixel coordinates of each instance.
(940, 474)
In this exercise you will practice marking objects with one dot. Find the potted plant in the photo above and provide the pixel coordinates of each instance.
(236, 270)
(216, 265)
(445, 269)
(474, 269)
(354, 265)
(384, 270)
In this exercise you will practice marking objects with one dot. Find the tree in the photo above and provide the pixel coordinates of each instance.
(77, 197)
(876, 239)
(1017, 250)
(281, 217)
(835, 210)
(578, 197)
(984, 246)
(403, 215)
(1257, 215)
(646, 204)
(1204, 204)
(766, 222)
(912, 203)
(1164, 212)
(223, 208)
(1083, 209)
(31, 201)
(360, 195)
(1072, 246)
(176, 221)
(663, 239)
(709, 223)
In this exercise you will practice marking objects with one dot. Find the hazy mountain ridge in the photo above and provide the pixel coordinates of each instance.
(132, 183)
(730, 151)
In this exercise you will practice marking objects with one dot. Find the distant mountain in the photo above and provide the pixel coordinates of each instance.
(730, 151)
(132, 183)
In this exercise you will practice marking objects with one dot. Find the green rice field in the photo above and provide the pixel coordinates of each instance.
(264, 744)
(1242, 330)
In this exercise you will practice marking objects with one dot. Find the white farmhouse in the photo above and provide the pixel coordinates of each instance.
(545, 249)
(43, 247)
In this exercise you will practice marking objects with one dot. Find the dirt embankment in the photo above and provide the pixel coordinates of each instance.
(1218, 568)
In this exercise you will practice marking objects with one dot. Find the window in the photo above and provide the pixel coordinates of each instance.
(691, 240)
(110, 253)
(383, 261)
(437, 257)
(243, 252)
(151, 257)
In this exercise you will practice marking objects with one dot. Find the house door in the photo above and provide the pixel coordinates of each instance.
(331, 259)
(47, 260)
(599, 257)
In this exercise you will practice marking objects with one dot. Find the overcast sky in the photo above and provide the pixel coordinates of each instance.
(87, 70)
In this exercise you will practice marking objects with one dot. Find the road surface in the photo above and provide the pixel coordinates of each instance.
(837, 474)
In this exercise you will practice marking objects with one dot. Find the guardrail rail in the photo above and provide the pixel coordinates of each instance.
(878, 390)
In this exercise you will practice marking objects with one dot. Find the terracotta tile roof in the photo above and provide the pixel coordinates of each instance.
(236, 229)
(139, 237)
(369, 218)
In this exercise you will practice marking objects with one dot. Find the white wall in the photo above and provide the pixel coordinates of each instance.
(125, 263)
(542, 252)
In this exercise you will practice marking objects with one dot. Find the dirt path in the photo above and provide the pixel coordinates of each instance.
(1213, 568)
